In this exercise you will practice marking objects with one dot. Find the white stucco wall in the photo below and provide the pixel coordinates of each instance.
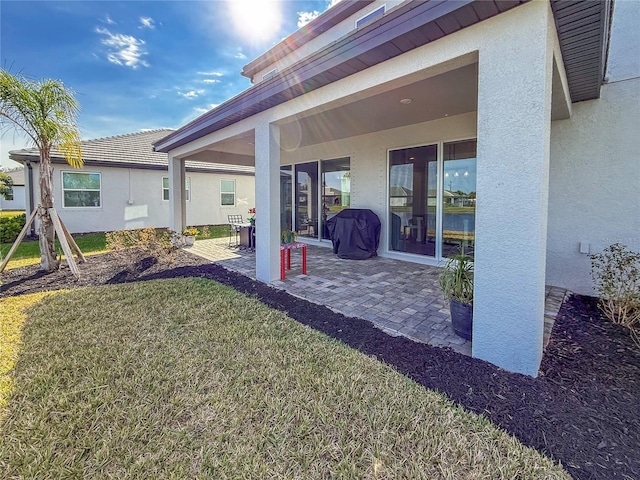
(624, 51)
(18, 202)
(594, 195)
(595, 183)
(326, 38)
(132, 198)
(369, 166)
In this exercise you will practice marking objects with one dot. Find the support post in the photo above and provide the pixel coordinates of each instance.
(21, 235)
(267, 159)
(177, 195)
(514, 128)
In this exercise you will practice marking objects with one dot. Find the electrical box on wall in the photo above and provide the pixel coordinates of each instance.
(584, 247)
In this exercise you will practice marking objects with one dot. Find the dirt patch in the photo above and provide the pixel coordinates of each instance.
(581, 410)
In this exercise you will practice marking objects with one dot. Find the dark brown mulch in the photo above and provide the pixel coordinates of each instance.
(583, 409)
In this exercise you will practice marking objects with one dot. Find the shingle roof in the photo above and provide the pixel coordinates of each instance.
(128, 150)
(17, 176)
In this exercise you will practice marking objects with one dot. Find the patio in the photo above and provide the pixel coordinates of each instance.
(400, 298)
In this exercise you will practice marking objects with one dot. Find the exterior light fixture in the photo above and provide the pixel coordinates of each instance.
(406, 101)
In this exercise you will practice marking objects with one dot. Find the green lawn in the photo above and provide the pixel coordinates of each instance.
(186, 378)
(29, 252)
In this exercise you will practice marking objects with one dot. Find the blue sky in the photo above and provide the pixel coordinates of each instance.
(138, 65)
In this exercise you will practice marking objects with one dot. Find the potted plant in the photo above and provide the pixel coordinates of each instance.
(252, 218)
(189, 235)
(287, 236)
(456, 281)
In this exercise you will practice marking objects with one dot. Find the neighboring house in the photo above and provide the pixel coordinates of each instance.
(124, 184)
(531, 109)
(16, 200)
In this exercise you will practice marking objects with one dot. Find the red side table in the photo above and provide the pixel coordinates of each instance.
(286, 265)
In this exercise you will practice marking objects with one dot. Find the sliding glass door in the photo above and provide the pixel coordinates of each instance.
(412, 199)
(306, 201)
(428, 217)
(336, 189)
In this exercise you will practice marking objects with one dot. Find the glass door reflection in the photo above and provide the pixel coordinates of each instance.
(336, 189)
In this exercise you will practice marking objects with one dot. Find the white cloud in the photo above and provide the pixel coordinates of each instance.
(210, 80)
(211, 74)
(203, 110)
(331, 3)
(191, 94)
(124, 50)
(147, 22)
(108, 20)
(306, 17)
(240, 55)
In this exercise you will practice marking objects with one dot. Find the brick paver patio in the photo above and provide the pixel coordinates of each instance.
(401, 298)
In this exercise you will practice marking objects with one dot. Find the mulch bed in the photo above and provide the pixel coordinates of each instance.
(583, 409)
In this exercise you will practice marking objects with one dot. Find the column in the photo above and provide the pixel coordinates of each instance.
(267, 163)
(177, 195)
(514, 124)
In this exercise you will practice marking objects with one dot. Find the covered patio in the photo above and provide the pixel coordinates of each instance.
(400, 298)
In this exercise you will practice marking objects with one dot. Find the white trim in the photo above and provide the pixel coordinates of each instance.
(270, 74)
(382, 7)
(187, 189)
(83, 207)
(235, 193)
(438, 259)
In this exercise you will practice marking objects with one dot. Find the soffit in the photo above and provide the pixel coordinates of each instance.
(582, 30)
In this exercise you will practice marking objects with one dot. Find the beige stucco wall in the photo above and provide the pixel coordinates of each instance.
(132, 198)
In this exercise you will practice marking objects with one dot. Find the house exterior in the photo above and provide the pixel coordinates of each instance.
(16, 200)
(124, 184)
(508, 130)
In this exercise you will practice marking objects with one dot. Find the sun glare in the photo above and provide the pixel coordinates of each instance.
(258, 20)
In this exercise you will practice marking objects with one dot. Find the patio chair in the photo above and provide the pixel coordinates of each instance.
(234, 229)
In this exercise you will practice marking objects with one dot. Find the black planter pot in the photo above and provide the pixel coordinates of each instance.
(461, 318)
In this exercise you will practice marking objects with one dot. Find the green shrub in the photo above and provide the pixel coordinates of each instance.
(616, 274)
(10, 227)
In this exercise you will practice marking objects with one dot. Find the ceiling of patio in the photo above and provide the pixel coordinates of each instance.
(453, 92)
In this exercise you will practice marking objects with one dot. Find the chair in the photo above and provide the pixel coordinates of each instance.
(234, 229)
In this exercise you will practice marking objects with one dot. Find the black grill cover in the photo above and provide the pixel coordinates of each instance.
(355, 233)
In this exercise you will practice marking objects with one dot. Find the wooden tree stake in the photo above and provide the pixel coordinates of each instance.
(15, 245)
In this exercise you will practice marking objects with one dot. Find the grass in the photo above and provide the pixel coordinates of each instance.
(28, 253)
(186, 378)
(10, 213)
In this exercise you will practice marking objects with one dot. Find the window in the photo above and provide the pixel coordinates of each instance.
(227, 192)
(378, 12)
(270, 74)
(9, 194)
(80, 189)
(165, 188)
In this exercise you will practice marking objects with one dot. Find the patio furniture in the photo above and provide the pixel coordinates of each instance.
(247, 236)
(234, 229)
(285, 257)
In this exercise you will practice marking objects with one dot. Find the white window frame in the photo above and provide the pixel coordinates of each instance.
(359, 21)
(270, 74)
(235, 189)
(83, 190)
(187, 188)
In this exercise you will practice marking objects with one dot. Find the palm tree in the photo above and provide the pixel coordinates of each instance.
(46, 112)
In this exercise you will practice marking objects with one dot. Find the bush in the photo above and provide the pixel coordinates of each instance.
(616, 274)
(132, 246)
(10, 227)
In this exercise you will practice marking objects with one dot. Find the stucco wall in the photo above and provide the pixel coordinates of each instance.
(132, 198)
(18, 202)
(368, 155)
(594, 192)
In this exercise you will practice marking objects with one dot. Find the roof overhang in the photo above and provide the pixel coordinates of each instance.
(402, 29)
(317, 26)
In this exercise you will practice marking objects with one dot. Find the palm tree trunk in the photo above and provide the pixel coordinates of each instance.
(48, 261)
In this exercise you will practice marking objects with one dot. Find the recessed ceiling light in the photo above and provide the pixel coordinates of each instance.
(406, 101)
